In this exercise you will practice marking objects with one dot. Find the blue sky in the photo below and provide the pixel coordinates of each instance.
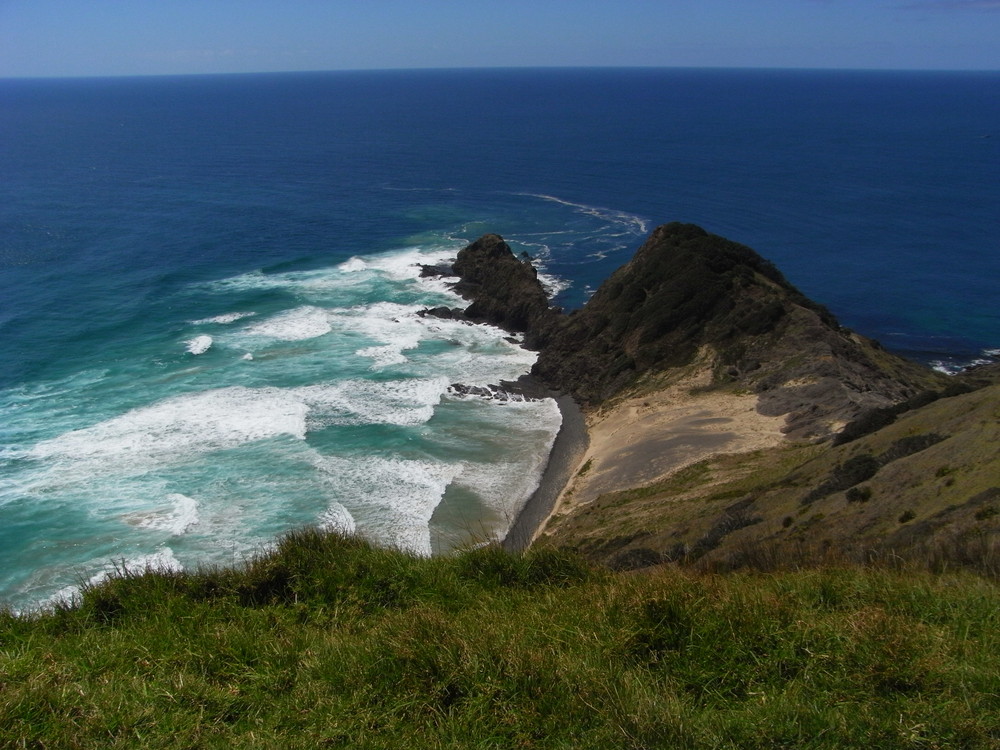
(139, 37)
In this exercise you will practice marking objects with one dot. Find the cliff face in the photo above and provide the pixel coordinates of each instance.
(684, 293)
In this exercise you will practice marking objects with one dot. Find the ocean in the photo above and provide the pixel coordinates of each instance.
(209, 285)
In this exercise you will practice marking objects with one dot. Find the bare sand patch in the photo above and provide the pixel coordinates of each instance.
(643, 439)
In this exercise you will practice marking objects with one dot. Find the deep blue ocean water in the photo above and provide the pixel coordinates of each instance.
(209, 285)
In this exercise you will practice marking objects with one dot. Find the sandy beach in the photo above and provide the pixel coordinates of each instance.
(638, 441)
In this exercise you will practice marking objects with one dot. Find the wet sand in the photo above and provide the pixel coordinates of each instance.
(567, 451)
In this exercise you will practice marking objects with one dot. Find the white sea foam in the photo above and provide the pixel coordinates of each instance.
(186, 427)
(224, 319)
(353, 265)
(388, 354)
(317, 281)
(182, 515)
(396, 327)
(552, 284)
(631, 222)
(397, 265)
(404, 264)
(199, 344)
(398, 402)
(297, 324)
(943, 368)
(391, 499)
(337, 518)
(179, 427)
(955, 366)
(479, 354)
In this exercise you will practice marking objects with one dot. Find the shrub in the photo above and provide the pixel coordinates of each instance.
(853, 471)
(909, 445)
(859, 494)
(988, 512)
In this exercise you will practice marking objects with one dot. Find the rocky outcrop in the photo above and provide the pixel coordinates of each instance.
(504, 290)
(684, 293)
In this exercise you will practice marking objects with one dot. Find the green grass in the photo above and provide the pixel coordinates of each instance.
(328, 642)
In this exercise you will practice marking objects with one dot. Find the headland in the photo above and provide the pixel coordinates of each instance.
(700, 391)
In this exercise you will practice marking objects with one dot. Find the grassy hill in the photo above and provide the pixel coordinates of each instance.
(328, 642)
(925, 487)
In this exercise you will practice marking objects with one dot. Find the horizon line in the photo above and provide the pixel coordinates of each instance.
(486, 68)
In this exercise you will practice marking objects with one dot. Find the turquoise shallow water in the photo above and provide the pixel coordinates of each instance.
(320, 397)
(209, 285)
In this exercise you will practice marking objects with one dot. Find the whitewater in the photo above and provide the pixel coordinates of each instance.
(364, 434)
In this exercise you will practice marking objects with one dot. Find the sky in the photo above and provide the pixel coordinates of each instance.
(156, 37)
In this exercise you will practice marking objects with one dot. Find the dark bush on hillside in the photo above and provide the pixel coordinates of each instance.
(956, 389)
(875, 419)
(909, 445)
(853, 471)
(859, 494)
(637, 558)
(866, 423)
(735, 519)
(921, 399)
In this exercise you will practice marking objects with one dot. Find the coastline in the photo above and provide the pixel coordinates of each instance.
(568, 449)
(636, 442)
(642, 439)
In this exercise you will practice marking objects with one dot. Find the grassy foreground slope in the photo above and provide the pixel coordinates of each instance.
(328, 642)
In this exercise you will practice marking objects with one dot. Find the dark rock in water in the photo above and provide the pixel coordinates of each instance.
(505, 291)
(429, 271)
(528, 388)
(461, 389)
(505, 391)
(687, 293)
(445, 313)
